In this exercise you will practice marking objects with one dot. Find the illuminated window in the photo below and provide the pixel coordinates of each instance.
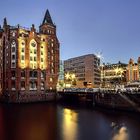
(41, 59)
(42, 74)
(13, 53)
(52, 71)
(13, 34)
(52, 44)
(31, 65)
(41, 52)
(22, 57)
(33, 54)
(51, 79)
(34, 58)
(42, 85)
(33, 44)
(35, 66)
(34, 51)
(22, 50)
(23, 44)
(31, 59)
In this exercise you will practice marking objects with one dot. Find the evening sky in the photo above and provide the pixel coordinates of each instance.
(84, 26)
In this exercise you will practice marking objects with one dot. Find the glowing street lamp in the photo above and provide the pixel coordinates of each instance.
(67, 76)
(70, 77)
(117, 70)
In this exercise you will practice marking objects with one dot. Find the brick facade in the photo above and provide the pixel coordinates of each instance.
(29, 59)
(133, 71)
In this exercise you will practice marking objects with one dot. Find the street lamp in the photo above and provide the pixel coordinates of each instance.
(70, 77)
(67, 76)
(119, 72)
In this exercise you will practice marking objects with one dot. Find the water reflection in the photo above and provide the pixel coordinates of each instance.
(69, 124)
(2, 127)
(58, 122)
(121, 134)
(28, 122)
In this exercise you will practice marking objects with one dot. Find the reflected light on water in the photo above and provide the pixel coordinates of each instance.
(122, 134)
(69, 124)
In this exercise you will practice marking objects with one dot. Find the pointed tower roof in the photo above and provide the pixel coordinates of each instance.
(131, 61)
(0, 29)
(5, 21)
(47, 18)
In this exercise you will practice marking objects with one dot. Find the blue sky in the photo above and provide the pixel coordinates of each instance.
(84, 26)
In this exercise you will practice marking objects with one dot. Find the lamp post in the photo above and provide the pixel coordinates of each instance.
(101, 68)
(70, 77)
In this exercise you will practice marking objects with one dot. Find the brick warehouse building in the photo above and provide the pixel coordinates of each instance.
(29, 59)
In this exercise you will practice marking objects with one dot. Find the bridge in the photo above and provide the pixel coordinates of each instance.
(77, 96)
(110, 99)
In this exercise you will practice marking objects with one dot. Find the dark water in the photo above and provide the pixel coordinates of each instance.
(48, 121)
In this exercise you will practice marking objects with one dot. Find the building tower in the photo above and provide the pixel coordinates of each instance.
(29, 60)
(48, 28)
(132, 71)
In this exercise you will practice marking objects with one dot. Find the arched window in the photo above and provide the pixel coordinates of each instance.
(33, 54)
(13, 54)
(33, 85)
(22, 85)
(42, 86)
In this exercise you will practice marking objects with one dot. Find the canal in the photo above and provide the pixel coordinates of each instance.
(49, 121)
